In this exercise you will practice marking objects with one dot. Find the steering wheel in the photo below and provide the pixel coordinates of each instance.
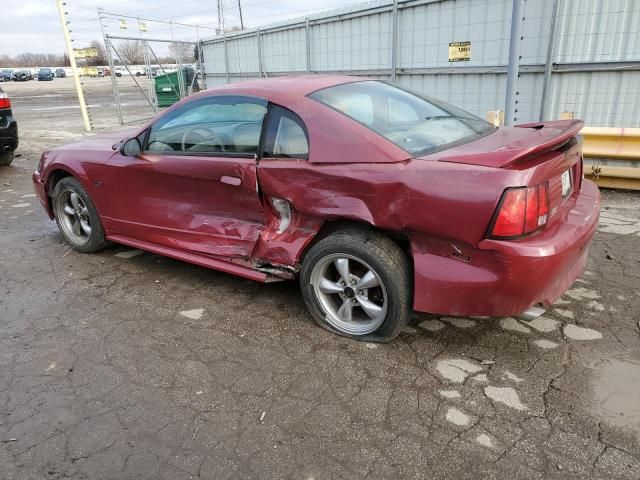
(208, 136)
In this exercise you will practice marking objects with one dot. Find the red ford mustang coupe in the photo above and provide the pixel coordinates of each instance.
(378, 199)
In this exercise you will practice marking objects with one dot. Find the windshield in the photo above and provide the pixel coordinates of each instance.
(417, 124)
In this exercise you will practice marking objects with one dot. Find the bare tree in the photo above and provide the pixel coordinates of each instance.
(131, 51)
(101, 58)
(29, 59)
(183, 51)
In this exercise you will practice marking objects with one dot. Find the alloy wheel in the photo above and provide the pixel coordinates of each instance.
(350, 292)
(74, 217)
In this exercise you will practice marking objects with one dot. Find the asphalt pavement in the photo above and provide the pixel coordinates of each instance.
(125, 364)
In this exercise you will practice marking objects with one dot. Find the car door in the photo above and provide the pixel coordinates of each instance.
(194, 186)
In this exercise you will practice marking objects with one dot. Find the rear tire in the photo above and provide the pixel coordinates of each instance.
(77, 217)
(374, 303)
(6, 158)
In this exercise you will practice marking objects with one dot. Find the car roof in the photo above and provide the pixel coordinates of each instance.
(286, 87)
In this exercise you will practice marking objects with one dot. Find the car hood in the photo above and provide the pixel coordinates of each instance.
(100, 142)
(506, 145)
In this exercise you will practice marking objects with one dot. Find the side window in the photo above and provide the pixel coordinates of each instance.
(286, 135)
(216, 125)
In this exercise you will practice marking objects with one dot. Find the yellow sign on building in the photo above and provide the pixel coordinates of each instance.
(459, 51)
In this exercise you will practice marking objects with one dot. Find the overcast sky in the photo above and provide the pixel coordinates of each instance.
(34, 25)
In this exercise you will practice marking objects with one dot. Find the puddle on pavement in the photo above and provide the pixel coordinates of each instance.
(616, 387)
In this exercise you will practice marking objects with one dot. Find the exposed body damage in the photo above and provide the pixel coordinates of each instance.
(256, 217)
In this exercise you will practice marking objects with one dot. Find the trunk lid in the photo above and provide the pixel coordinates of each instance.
(509, 145)
(549, 152)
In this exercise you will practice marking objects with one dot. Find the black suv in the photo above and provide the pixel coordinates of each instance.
(8, 130)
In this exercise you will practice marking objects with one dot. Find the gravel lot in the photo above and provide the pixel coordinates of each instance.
(125, 364)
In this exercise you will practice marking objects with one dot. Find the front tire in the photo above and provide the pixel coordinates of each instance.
(77, 217)
(357, 283)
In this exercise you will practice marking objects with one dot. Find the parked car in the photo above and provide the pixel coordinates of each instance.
(377, 199)
(60, 73)
(8, 130)
(137, 71)
(5, 75)
(22, 76)
(45, 74)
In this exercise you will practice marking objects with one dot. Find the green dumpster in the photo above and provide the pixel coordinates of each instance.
(167, 90)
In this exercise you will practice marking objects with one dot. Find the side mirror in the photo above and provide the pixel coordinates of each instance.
(131, 147)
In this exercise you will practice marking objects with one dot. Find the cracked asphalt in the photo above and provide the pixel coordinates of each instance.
(124, 364)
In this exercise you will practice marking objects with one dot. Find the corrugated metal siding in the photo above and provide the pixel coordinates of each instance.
(425, 32)
(213, 54)
(358, 39)
(284, 51)
(360, 43)
(602, 98)
(598, 31)
(243, 55)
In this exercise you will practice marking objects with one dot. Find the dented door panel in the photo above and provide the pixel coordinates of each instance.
(187, 202)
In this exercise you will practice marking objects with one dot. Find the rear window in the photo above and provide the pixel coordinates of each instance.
(417, 124)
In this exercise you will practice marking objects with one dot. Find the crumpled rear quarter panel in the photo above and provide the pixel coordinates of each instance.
(444, 200)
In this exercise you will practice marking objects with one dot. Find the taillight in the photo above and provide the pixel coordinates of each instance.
(521, 211)
(4, 101)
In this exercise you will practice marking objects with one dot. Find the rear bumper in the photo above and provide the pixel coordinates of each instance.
(502, 278)
(41, 191)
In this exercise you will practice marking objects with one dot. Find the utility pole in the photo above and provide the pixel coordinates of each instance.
(219, 17)
(114, 78)
(74, 67)
(513, 70)
(240, 11)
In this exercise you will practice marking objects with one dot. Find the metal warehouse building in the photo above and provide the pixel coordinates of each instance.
(535, 59)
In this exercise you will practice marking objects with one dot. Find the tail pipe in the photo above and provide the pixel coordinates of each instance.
(531, 313)
(6, 148)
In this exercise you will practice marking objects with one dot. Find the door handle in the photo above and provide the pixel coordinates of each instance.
(235, 181)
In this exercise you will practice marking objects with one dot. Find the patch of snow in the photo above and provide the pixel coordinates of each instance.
(432, 325)
(513, 325)
(575, 332)
(195, 314)
(506, 395)
(457, 417)
(460, 322)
